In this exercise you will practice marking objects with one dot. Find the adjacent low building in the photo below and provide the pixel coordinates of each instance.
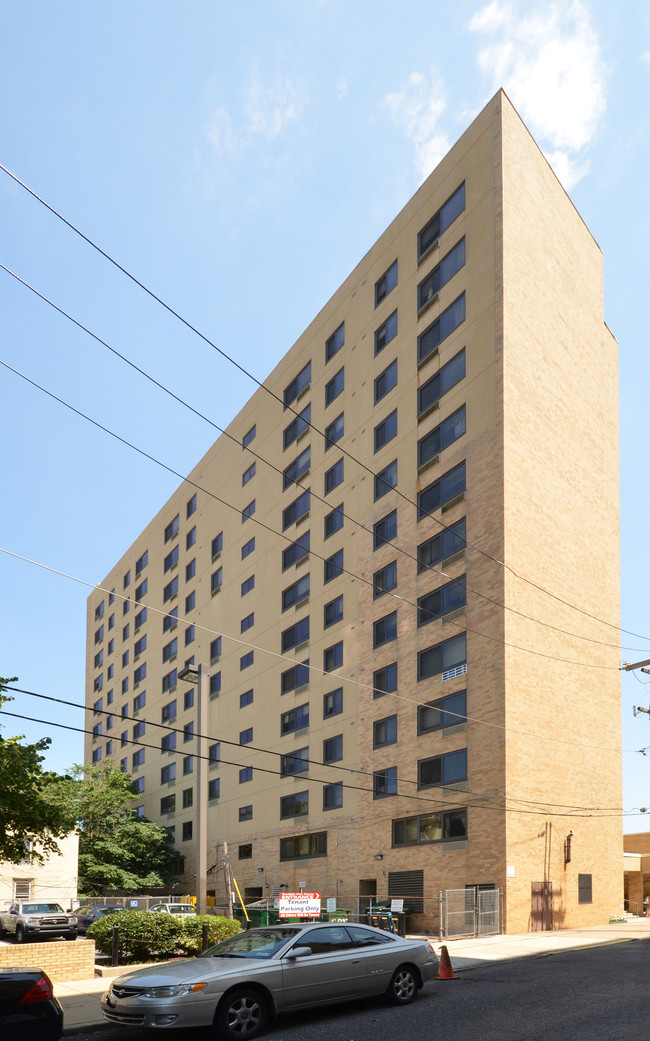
(394, 580)
(55, 879)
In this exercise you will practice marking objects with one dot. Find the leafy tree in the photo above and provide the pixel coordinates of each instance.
(117, 850)
(144, 936)
(26, 811)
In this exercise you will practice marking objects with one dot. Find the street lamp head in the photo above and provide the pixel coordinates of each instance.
(189, 675)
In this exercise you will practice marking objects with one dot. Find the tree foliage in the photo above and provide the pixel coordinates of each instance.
(117, 850)
(143, 936)
(26, 812)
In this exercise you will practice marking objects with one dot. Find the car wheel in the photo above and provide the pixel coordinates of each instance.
(20, 934)
(242, 1014)
(403, 986)
(3, 933)
(71, 936)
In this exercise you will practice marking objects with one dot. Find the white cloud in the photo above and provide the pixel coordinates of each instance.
(547, 58)
(646, 57)
(418, 109)
(221, 135)
(270, 108)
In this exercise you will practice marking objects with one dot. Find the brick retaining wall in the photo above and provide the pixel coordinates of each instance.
(62, 960)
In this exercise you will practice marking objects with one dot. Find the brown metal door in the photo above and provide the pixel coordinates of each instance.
(541, 906)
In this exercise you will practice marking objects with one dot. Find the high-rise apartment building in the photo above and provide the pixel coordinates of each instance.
(394, 580)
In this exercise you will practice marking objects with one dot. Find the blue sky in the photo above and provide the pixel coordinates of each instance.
(240, 160)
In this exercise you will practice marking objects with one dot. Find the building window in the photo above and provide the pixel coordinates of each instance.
(248, 474)
(334, 432)
(245, 813)
(333, 476)
(191, 506)
(333, 612)
(214, 788)
(245, 774)
(125, 684)
(140, 673)
(99, 634)
(333, 657)
(245, 852)
(99, 658)
(333, 703)
(168, 711)
(126, 581)
(384, 732)
(443, 769)
(187, 831)
(385, 579)
(188, 764)
(246, 660)
(442, 436)
(333, 566)
(168, 773)
(139, 785)
(170, 590)
(334, 387)
(333, 749)
(188, 732)
(188, 699)
(217, 545)
(190, 570)
(168, 804)
(385, 480)
(385, 284)
(298, 509)
(386, 332)
(385, 382)
(296, 469)
(430, 827)
(140, 646)
(215, 649)
(445, 712)
(172, 528)
(99, 611)
(296, 552)
(440, 221)
(126, 606)
(169, 680)
(385, 530)
(97, 754)
(333, 521)
(170, 620)
(298, 385)
(444, 326)
(214, 753)
(386, 430)
(442, 381)
(296, 676)
(137, 759)
(294, 762)
(190, 602)
(334, 342)
(450, 654)
(442, 491)
(170, 650)
(333, 796)
(442, 546)
(247, 622)
(215, 684)
(441, 601)
(246, 698)
(216, 580)
(296, 427)
(295, 719)
(246, 736)
(190, 635)
(248, 511)
(584, 889)
(295, 805)
(384, 782)
(296, 593)
(302, 847)
(248, 548)
(441, 274)
(295, 635)
(249, 436)
(190, 538)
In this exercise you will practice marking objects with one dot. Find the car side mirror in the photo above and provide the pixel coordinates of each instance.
(298, 952)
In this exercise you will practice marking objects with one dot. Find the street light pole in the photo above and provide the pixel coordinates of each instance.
(197, 677)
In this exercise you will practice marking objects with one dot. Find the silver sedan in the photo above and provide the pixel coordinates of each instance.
(240, 985)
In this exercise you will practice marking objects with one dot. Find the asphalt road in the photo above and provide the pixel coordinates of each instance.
(593, 994)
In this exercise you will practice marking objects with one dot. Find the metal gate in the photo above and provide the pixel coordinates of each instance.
(472, 912)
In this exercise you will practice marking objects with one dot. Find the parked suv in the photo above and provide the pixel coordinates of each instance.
(27, 919)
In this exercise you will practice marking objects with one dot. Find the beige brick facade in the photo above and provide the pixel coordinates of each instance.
(539, 498)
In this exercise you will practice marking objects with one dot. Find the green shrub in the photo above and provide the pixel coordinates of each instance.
(143, 936)
(219, 928)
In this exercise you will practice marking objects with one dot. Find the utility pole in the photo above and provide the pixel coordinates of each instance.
(228, 877)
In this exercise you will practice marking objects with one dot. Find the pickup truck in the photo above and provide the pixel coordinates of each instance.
(40, 919)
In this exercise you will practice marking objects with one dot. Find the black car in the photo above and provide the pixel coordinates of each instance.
(28, 1008)
(89, 913)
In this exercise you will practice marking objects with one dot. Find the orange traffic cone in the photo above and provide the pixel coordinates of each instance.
(446, 971)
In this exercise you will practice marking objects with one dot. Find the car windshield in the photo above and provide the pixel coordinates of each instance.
(254, 943)
(42, 909)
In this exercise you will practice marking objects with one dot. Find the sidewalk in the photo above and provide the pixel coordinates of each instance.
(80, 999)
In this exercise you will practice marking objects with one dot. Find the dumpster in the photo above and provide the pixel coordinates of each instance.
(340, 914)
